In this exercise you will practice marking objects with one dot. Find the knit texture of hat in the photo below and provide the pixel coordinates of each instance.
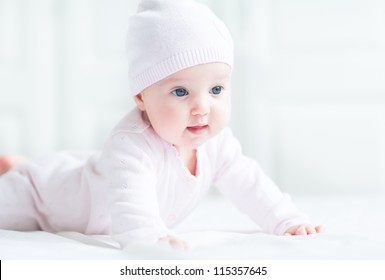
(166, 36)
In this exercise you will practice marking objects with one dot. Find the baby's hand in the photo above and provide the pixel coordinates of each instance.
(175, 242)
(303, 230)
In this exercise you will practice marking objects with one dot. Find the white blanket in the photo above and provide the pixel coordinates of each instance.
(354, 229)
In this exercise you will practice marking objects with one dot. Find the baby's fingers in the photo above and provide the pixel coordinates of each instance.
(311, 230)
(179, 244)
(301, 230)
(319, 229)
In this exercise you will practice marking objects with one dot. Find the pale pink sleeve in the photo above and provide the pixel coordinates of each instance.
(131, 181)
(241, 179)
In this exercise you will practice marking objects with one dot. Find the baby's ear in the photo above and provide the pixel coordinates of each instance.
(139, 101)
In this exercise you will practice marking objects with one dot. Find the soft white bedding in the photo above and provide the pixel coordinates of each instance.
(355, 229)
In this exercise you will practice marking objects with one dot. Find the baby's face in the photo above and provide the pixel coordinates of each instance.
(191, 106)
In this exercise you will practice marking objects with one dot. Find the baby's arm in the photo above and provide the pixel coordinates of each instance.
(128, 167)
(303, 229)
(242, 180)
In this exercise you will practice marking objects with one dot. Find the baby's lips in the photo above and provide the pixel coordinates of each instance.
(197, 129)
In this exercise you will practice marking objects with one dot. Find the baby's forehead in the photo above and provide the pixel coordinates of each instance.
(213, 71)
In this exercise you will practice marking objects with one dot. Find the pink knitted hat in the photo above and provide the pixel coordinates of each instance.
(166, 36)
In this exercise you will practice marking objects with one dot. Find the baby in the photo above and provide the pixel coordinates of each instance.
(163, 156)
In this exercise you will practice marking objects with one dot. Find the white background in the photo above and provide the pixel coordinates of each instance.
(308, 87)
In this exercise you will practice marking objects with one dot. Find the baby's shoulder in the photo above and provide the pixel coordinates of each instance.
(133, 136)
(132, 122)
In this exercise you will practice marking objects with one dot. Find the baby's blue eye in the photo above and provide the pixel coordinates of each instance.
(216, 90)
(180, 92)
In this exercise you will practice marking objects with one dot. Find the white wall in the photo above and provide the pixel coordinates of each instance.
(315, 93)
(63, 73)
(309, 87)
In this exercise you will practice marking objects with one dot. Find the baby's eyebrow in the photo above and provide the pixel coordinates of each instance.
(221, 76)
(173, 80)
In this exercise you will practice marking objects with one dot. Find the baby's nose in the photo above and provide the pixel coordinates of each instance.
(201, 106)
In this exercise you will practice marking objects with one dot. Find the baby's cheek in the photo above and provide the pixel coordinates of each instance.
(222, 116)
